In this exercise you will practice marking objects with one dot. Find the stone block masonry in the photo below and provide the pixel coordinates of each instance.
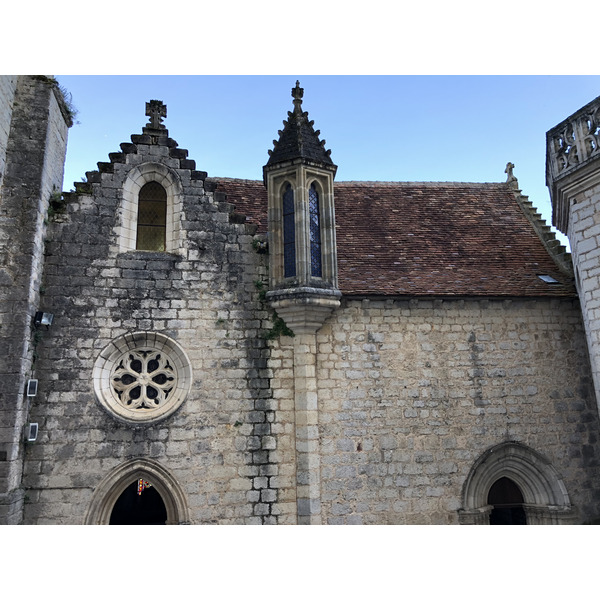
(33, 137)
(412, 392)
(167, 366)
(225, 444)
(584, 235)
(8, 87)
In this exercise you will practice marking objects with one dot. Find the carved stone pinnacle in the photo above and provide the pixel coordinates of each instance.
(297, 93)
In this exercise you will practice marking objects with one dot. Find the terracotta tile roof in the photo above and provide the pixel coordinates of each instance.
(446, 239)
(249, 197)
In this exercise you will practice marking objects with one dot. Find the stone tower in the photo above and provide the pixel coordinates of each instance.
(303, 283)
(573, 176)
(34, 122)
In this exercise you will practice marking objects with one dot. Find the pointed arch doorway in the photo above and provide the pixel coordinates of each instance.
(117, 499)
(513, 482)
(506, 500)
(139, 504)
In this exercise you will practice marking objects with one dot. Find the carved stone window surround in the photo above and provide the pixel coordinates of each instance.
(142, 377)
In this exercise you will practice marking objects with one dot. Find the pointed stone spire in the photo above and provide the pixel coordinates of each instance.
(298, 138)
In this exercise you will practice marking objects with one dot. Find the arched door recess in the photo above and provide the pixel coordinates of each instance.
(115, 484)
(507, 503)
(545, 498)
(139, 504)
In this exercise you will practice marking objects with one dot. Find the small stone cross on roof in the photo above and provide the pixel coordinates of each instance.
(156, 110)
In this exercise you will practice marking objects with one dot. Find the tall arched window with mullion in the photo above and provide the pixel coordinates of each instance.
(315, 232)
(152, 218)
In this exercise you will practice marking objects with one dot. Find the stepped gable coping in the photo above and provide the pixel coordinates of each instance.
(153, 134)
(298, 139)
(248, 196)
(556, 250)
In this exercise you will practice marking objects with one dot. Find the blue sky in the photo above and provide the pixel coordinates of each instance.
(380, 128)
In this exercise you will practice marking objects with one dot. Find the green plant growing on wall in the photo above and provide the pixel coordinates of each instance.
(56, 204)
(260, 246)
(262, 292)
(279, 328)
(68, 100)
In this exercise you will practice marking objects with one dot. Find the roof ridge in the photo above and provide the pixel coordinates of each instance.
(382, 182)
(429, 183)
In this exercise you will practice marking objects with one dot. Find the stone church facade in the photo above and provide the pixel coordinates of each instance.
(185, 349)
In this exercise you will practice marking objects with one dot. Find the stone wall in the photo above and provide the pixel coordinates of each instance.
(412, 393)
(35, 152)
(8, 86)
(584, 236)
(224, 445)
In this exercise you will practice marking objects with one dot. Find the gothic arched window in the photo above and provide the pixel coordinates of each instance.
(152, 218)
(315, 232)
(289, 233)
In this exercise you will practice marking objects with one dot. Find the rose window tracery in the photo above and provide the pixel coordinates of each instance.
(143, 379)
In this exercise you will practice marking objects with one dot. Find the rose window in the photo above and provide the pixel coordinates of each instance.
(142, 377)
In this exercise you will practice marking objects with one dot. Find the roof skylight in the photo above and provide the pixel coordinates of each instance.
(548, 279)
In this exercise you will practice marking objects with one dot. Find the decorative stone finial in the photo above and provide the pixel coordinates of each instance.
(298, 139)
(297, 93)
(511, 180)
(156, 110)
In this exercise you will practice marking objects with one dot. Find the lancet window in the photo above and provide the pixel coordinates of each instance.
(289, 233)
(152, 218)
(315, 232)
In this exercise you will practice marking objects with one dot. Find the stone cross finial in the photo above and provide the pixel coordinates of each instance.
(156, 110)
(297, 93)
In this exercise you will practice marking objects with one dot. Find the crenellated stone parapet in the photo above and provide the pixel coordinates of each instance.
(572, 152)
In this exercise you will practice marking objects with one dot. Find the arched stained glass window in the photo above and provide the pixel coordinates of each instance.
(152, 218)
(289, 233)
(315, 232)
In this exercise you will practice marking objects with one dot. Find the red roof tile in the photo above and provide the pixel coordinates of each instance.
(444, 239)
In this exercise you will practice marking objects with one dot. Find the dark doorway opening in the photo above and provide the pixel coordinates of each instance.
(507, 500)
(139, 504)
